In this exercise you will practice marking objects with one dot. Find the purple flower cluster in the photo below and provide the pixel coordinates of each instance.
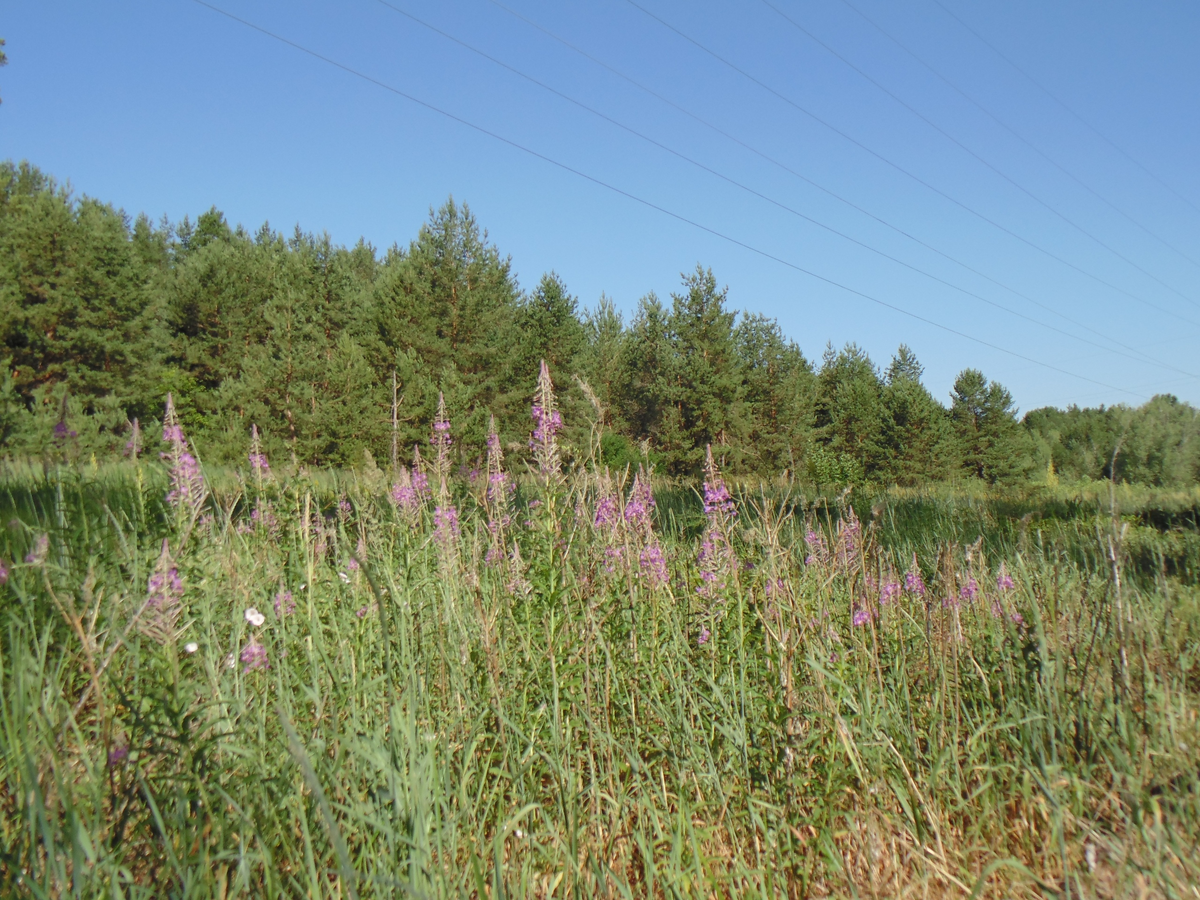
(889, 592)
(62, 434)
(849, 533)
(653, 565)
(861, 617)
(607, 515)
(164, 589)
(547, 422)
(409, 491)
(1004, 581)
(445, 524)
(254, 656)
(164, 595)
(968, 591)
(818, 549)
(258, 459)
(187, 482)
(717, 499)
(284, 604)
(703, 636)
(913, 583)
(40, 550)
(716, 559)
(639, 508)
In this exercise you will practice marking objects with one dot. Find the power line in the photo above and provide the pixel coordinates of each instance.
(1020, 187)
(1037, 84)
(705, 168)
(904, 171)
(987, 112)
(647, 203)
(1140, 356)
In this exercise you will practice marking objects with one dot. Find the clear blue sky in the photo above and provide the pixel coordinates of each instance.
(168, 108)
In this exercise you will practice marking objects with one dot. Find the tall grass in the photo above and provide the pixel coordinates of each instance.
(432, 724)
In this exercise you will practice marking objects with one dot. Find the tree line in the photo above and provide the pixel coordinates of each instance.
(340, 353)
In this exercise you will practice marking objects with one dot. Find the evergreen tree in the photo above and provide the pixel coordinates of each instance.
(849, 412)
(646, 387)
(916, 433)
(451, 300)
(75, 306)
(992, 445)
(550, 330)
(708, 387)
(779, 395)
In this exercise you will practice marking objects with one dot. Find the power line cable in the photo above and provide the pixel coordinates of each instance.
(1092, 128)
(649, 204)
(1140, 356)
(705, 168)
(987, 112)
(980, 159)
(902, 170)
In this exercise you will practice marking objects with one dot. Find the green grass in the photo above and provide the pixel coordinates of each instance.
(445, 736)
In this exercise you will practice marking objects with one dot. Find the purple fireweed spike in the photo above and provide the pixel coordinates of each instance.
(258, 459)
(913, 583)
(716, 559)
(254, 656)
(547, 422)
(441, 441)
(187, 483)
(1004, 581)
(160, 613)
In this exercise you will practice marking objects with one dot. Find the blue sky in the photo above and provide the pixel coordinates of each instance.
(168, 107)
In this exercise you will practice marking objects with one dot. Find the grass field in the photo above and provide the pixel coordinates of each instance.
(327, 685)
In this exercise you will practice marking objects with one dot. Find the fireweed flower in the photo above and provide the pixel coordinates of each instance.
(968, 591)
(41, 549)
(653, 566)
(441, 441)
(496, 498)
(547, 422)
(818, 549)
(187, 483)
(913, 583)
(117, 755)
(849, 533)
(716, 559)
(1004, 581)
(254, 656)
(861, 617)
(889, 592)
(284, 604)
(703, 636)
(164, 593)
(258, 459)
(445, 524)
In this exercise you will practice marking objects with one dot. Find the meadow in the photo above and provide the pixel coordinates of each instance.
(525, 681)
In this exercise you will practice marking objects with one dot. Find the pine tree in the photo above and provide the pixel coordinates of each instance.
(850, 413)
(992, 445)
(451, 301)
(708, 383)
(916, 433)
(779, 394)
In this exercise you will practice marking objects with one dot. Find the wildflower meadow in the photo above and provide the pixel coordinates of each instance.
(517, 677)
